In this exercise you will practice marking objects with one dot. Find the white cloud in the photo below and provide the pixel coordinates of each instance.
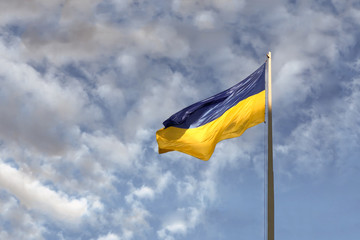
(26, 226)
(311, 148)
(37, 109)
(159, 40)
(34, 195)
(111, 150)
(179, 223)
(144, 192)
(109, 236)
(292, 81)
(205, 20)
(161, 182)
(112, 96)
(132, 221)
(164, 181)
(128, 63)
(226, 7)
(174, 228)
(171, 86)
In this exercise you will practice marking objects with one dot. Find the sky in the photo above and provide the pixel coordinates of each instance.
(85, 84)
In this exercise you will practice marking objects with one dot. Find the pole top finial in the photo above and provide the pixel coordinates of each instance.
(268, 55)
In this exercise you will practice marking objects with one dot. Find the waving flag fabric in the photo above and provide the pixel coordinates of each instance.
(197, 129)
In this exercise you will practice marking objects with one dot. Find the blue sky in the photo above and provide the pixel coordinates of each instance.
(85, 84)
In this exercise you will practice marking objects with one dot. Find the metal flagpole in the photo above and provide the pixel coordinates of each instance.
(270, 182)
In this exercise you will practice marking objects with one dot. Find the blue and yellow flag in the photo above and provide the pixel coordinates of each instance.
(197, 129)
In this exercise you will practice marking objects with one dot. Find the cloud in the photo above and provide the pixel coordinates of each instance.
(37, 109)
(144, 192)
(34, 195)
(18, 10)
(226, 7)
(158, 40)
(85, 84)
(128, 63)
(115, 151)
(161, 182)
(109, 236)
(179, 223)
(83, 40)
(26, 226)
(62, 31)
(166, 87)
(205, 20)
(312, 149)
(131, 222)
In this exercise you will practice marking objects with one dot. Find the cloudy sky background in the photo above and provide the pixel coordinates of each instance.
(85, 84)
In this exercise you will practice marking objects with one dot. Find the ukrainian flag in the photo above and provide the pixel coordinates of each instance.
(197, 129)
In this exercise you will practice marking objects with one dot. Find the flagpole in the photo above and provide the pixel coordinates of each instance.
(270, 189)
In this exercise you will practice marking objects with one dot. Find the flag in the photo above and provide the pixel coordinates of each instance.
(197, 129)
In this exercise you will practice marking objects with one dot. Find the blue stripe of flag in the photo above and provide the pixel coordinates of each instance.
(209, 109)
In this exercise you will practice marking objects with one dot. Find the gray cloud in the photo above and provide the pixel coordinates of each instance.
(36, 109)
